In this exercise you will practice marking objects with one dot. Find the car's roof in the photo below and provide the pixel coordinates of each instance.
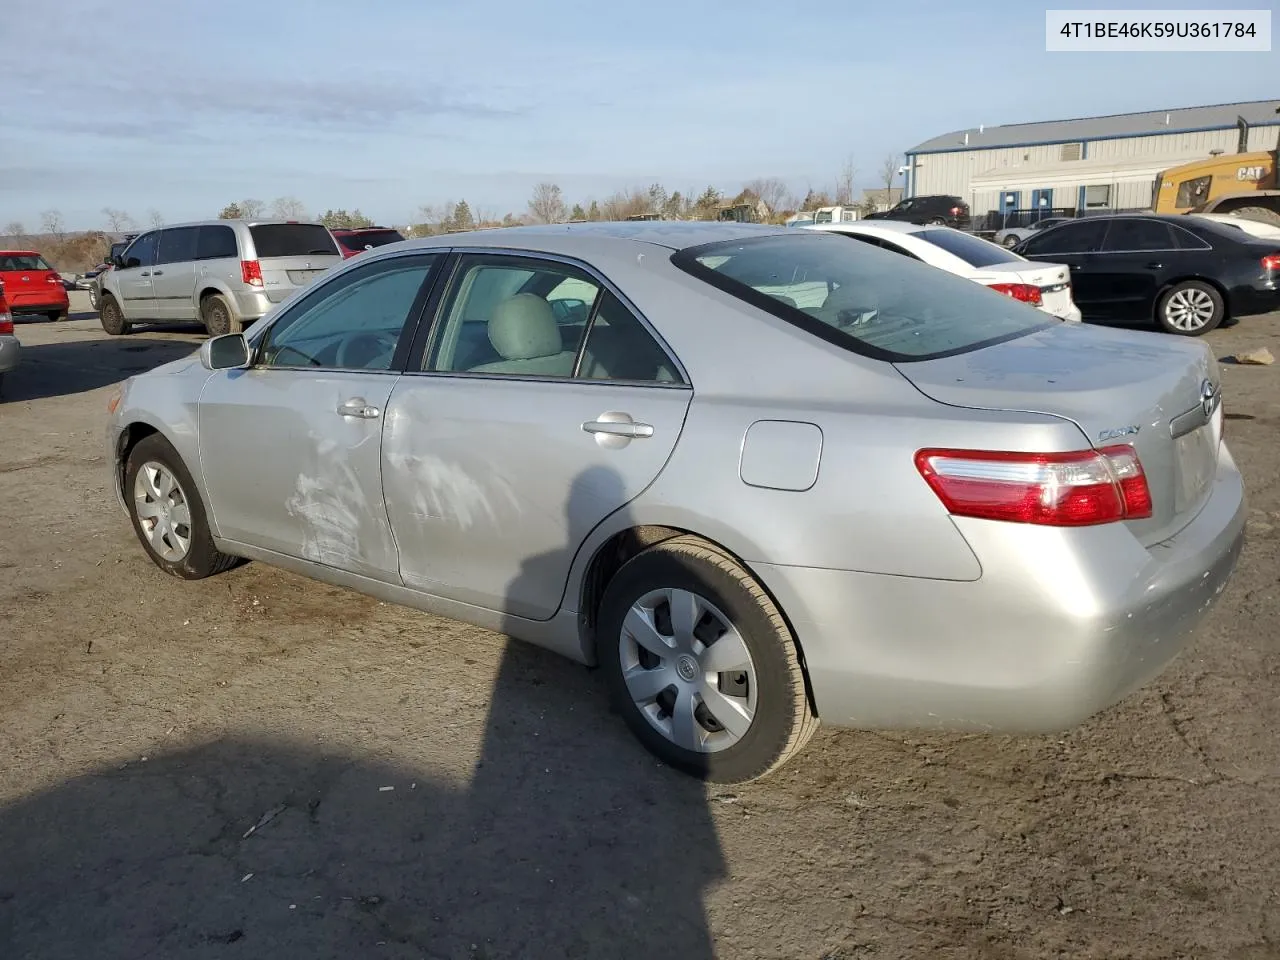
(886, 226)
(671, 234)
(212, 221)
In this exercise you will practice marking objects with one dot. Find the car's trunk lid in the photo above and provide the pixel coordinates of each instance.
(1117, 387)
(292, 255)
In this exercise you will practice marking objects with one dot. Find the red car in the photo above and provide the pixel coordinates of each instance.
(31, 285)
(353, 242)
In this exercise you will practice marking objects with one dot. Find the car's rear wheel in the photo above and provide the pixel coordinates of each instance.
(112, 317)
(1190, 309)
(218, 316)
(937, 222)
(57, 315)
(701, 664)
(1011, 240)
(168, 516)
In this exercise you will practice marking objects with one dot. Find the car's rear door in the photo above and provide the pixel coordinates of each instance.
(292, 255)
(1136, 255)
(495, 470)
(291, 448)
(173, 278)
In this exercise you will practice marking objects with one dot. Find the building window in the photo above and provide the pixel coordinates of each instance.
(1097, 197)
(1071, 151)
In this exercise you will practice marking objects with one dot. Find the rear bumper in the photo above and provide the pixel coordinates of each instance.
(10, 353)
(1061, 624)
(1247, 301)
(55, 298)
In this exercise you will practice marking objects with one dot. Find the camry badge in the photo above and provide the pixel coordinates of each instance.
(1115, 432)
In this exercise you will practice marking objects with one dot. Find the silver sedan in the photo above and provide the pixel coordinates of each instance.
(759, 476)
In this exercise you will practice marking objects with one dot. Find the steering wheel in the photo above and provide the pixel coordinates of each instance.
(366, 351)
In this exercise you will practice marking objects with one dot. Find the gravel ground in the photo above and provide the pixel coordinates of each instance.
(262, 766)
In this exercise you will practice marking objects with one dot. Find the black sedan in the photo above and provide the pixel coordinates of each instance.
(1186, 274)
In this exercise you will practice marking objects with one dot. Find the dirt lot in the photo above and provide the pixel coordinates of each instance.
(424, 789)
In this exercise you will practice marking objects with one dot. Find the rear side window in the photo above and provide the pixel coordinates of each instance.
(23, 261)
(974, 251)
(865, 300)
(177, 245)
(292, 240)
(217, 243)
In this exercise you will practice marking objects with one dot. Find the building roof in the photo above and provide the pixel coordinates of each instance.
(1183, 120)
(1082, 172)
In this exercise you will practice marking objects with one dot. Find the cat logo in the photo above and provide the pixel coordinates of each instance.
(1249, 173)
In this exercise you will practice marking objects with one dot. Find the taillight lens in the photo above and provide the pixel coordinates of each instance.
(251, 272)
(6, 318)
(1271, 262)
(1026, 292)
(1076, 489)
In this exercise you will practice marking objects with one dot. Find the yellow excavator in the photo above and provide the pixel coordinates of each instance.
(1242, 184)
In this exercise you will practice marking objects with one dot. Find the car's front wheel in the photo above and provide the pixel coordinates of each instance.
(168, 515)
(701, 663)
(1191, 308)
(1011, 240)
(112, 317)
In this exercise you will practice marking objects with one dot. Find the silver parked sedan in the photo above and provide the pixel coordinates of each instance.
(759, 476)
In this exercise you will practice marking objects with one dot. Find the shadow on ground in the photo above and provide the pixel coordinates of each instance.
(58, 369)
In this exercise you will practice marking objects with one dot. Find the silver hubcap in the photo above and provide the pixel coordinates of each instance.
(162, 511)
(1189, 309)
(688, 670)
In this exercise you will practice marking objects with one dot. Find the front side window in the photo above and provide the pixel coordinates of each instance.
(1192, 193)
(354, 322)
(1133, 236)
(868, 301)
(142, 252)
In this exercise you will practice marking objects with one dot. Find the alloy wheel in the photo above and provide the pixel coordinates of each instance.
(1189, 309)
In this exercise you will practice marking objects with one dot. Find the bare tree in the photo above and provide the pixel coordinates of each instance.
(16, 232)
(251, 209)
(288, 208)
(889, 170)
(844, 186)
(774, 192)
(117, 220)
(155, 217)
(547, 205)
(51, 223)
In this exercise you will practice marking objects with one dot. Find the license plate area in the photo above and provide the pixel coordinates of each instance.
(1195, 463)
(300, 278)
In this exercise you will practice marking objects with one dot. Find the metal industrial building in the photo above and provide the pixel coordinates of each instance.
(1092, 164)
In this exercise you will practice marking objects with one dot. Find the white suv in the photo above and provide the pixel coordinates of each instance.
(222, 273)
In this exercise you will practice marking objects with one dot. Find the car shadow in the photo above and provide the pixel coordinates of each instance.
(58, 369)
(568, 841)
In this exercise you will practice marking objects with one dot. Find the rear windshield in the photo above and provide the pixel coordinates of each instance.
(23, 261)
(871, 301)
(369, 238)
(292, 240)
(974, 251)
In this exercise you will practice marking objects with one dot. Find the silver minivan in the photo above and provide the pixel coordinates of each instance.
(224, 274)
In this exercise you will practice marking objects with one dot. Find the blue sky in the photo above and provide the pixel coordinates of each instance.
(386, 105)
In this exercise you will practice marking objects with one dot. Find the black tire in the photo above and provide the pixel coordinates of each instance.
(1173, 303)
(112, 317)
(201, 559)
(937, 222)
(56, 316)
(1011, 241)
(783, 720)
(218, 316)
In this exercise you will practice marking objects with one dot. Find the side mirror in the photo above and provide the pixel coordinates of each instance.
(116, 261)
(227, 352)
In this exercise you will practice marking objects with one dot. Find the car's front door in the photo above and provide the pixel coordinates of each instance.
(291, 447)
(1075, 245)
(133, 277)
(533, 415)
(1136, 256)
(173, 278)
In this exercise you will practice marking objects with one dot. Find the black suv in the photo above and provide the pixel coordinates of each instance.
(941, 210)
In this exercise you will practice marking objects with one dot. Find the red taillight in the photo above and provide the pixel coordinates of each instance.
(6, 318)
(1271, 262)
(1075, 489)
(251, 272)
(956, 211)
(1026, 292)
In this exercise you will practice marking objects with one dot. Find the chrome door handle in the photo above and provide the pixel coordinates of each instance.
(157, 273)
(1154, 266)
(357, 407)
(632, 431)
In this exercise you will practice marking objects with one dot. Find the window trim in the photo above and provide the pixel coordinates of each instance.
(429, 337)
(408, 333)
(686, 259)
